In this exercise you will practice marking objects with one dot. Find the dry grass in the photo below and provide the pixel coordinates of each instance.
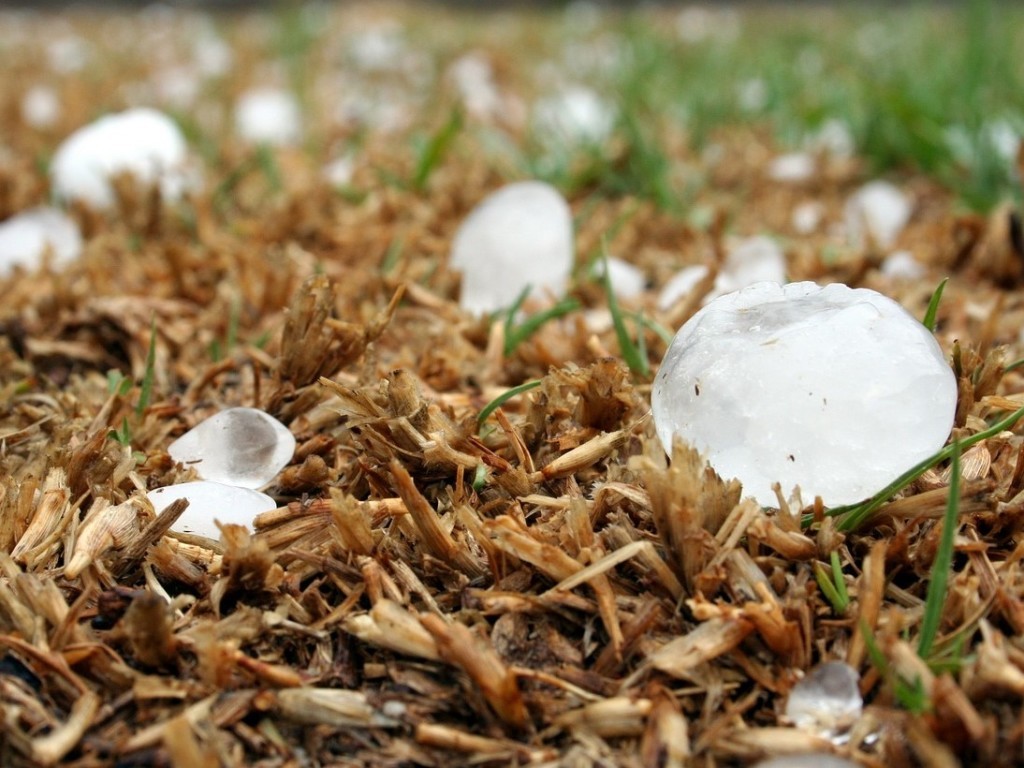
(545, 589)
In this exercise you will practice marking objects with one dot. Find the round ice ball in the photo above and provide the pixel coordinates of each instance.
(141, 142)
(835, 389)
(520, 236)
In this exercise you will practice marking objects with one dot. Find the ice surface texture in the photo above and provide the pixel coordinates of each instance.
(207, 502)
(834, 389)
(141, 142)
(519, 236)
(238, 446)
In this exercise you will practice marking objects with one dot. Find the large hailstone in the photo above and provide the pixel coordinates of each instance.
(238, 446)
(834, 389)
(519, 236)
(141, 142)
(28, 236)
(209, 503)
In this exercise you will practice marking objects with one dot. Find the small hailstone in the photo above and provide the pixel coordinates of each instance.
(141, 142)
(40, 107)
(518, 236)
(26, 237)
(752, 95)
(576, 115)
(793, 167)
(879, 210)
(473, 77)
(834, 389)
(339, 172)
(807, 216)
(627, 279)
(268, 116)
(827, 699)
(680, 285)
(834, 137)
(902, 265)
(209, 501)
(238, 446)
(748, 261)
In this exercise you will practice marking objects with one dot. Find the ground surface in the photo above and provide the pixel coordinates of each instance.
(534, 587)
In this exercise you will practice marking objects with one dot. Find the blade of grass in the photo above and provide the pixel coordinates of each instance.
(936, 598)
(520, 333)
(146, 391)
(503, 398)
(828, 588)
(631, 352)
(929, 321)
(839, 580)
(434, 149)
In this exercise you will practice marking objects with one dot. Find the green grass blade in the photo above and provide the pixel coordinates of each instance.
(503, 398)
(936, 598)
(146, 391)
(828, 588)
(839, 580)
(933, 306)
(434, 150)
(631, 353)
(520, 333)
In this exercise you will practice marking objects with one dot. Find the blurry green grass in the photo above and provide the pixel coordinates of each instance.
(921, 89)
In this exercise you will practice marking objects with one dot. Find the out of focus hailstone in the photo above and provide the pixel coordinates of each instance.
(834, 389)
(519, 236)
(627, 280)
(878, 210)
(28, 236)
(40, 107)
(268, 116)
(792, 168)
(209, 502)
(748, 261)
(827, 700)
(238, 446)
(141, 142)
(576, 115)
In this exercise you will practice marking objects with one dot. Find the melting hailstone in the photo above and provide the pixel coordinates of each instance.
(238, 446)
(268, 116)
(834, 389)
(209, 502)
(141, 142)
(827, 700)
(519, 236)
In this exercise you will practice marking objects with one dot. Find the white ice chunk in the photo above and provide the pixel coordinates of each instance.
(834, 389)
(680, 285)
(748, 261)
(902, 265)
(207, 502)
(827, 700)
(238, 446)
(473, 77)
(834, 137)
(26, 237)
(792, 168)
(339, 172)
(807, 216)
(142, 142)
(879, 210)
(627, 280)
(40, 106)
(268, 116)
(518, 236)
(576, 115)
